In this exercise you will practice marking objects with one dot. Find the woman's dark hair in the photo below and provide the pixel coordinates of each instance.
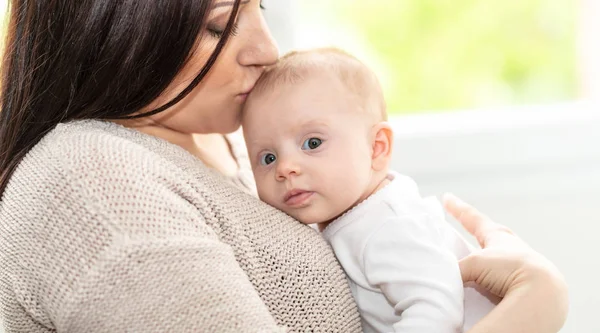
(92, 59)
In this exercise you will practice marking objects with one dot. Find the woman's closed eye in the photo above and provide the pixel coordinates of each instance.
(217, 32)
(312, 143)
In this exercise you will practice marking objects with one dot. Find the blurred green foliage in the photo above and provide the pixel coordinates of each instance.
(448, 54)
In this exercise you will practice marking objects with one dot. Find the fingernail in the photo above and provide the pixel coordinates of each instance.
(457, 202)
(448, 196)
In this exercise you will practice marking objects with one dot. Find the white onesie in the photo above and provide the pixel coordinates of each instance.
(401, 258)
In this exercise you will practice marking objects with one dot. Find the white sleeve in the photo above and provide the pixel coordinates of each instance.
(406, 260)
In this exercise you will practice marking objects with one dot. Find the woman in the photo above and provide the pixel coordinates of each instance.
(125, 208)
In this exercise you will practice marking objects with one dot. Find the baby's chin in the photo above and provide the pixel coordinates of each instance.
(306, 216)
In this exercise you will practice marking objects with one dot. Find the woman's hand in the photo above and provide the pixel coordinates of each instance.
(534, 291)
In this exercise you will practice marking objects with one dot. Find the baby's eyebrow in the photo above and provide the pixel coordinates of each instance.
(256, 144)
(315, 123)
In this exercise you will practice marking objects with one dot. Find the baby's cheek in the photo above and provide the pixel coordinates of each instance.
(268, 194)
(263, 193)
(333, 197)
(349, 186)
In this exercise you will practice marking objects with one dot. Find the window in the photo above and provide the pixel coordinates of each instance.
(443, 54)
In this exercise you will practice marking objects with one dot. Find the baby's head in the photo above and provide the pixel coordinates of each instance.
(315, 126)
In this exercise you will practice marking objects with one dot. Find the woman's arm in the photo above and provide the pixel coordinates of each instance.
(162, 271)
(535, 293)
(183, 285)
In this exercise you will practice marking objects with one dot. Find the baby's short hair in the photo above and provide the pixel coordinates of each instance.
(353, 74)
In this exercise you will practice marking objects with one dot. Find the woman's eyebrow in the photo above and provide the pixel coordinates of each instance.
(228, 3)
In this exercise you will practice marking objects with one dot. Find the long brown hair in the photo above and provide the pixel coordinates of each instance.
(92, 59)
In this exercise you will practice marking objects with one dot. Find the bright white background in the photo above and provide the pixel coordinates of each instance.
(535, 170)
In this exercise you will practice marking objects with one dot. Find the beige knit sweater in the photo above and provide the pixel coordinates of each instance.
(105, 229)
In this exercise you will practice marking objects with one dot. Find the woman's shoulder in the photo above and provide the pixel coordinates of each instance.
(94, 207)
(88, 186)
(89, 151)
(101, 168)
(102, 143)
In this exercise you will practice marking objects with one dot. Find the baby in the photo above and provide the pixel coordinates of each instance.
(320, 148)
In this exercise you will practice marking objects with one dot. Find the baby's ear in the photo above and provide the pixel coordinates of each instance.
(383, 140)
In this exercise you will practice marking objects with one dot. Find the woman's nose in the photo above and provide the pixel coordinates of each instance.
(261, 48)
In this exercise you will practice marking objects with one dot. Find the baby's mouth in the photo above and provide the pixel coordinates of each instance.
(297, 197)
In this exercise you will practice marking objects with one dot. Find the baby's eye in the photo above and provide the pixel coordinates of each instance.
(312, 143)
(267, 159)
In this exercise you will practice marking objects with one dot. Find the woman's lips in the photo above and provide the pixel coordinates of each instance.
(246, 92)
(297, 198)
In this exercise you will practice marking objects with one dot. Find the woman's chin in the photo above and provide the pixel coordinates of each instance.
(227, 121)
(229, 128)
(223, 125)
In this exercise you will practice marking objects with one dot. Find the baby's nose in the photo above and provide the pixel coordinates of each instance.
(287, 168)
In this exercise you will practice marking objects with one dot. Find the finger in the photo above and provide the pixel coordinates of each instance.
(470, 269)
(479, 225)
(471, 219)
(492, 275)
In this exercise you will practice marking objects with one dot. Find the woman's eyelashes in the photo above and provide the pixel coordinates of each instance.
(217, 32)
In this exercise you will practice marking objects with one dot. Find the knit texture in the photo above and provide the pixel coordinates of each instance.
(106, 229)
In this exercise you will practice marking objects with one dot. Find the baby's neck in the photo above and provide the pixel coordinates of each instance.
(381, 185)
(380, 180)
